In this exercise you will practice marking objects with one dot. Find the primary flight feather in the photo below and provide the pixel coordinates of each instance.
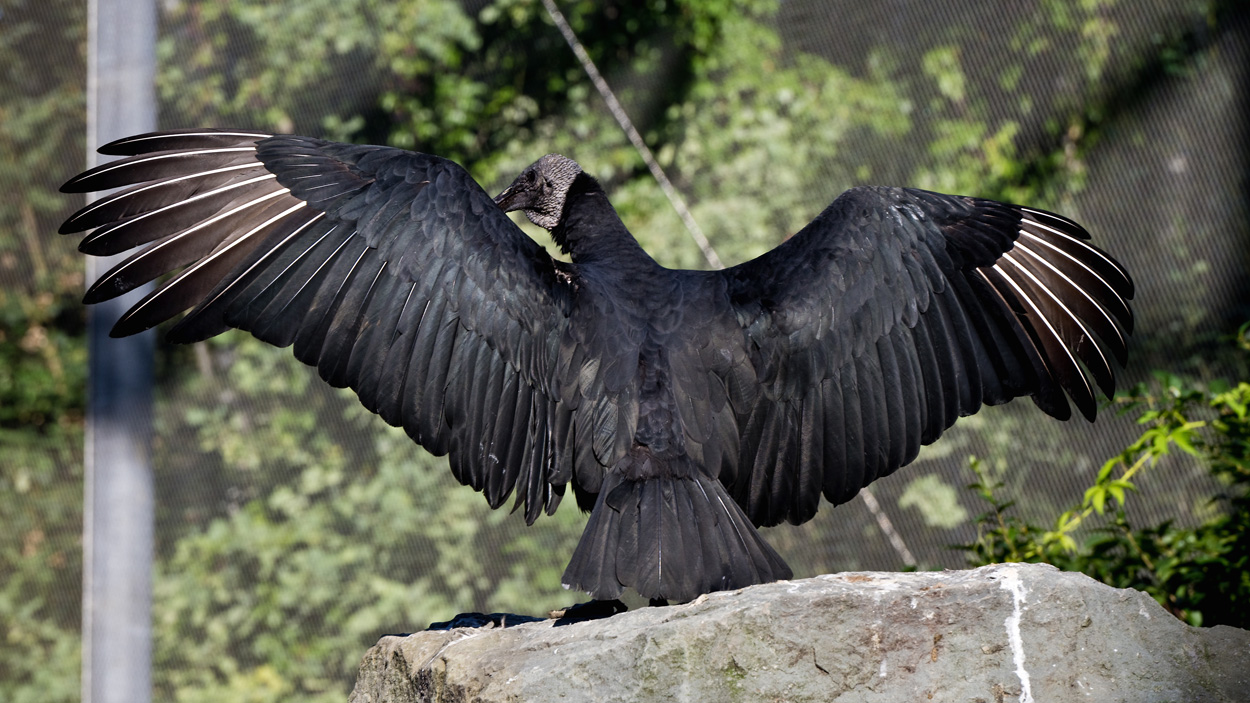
(685, 408)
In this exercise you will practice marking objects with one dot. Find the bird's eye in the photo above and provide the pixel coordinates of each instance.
(530, 177)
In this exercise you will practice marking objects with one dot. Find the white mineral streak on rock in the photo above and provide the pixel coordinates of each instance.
(1011, 582)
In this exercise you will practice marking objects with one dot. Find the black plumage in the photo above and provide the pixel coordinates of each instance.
(685, 408)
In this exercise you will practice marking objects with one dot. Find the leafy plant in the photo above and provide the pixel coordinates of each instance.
(1201, 574)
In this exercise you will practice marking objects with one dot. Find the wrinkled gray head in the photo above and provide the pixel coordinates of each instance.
(540, 190)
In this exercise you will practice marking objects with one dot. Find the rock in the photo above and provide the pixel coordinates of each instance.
(1018, 632)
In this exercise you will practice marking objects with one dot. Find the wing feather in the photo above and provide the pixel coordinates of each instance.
(895, 312)
(931, 399)
(378, 327)
(811, 476)
(391, 272)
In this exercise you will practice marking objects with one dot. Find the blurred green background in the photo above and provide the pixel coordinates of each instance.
(294, 528)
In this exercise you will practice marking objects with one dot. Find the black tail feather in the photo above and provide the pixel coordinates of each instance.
(669, 538)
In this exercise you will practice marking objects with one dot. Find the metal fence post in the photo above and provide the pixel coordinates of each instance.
(118, 506)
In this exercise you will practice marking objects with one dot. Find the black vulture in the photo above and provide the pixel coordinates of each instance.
(685, 408)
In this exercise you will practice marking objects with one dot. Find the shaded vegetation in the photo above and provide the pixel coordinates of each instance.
(1201, 573)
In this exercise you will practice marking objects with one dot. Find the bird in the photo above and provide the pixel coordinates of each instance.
(685, 408)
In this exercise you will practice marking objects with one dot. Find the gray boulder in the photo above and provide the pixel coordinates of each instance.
(1019, 632)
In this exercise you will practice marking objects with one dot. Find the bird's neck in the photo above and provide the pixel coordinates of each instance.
(590, 231)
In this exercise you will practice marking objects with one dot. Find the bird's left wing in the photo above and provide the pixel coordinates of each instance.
(895, 312)
(392, 272)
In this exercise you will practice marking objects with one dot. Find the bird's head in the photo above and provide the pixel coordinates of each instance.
(540, 190)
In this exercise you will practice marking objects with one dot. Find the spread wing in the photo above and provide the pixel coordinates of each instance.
(384, 268)
(897, 311)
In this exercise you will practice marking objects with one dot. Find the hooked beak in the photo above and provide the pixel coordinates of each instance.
(508, 199)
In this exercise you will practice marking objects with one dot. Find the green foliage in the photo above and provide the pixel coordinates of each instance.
(938, 502)
(224, 63)
(42, 357)
(42, 364)
(42, 516)
(752, 126)
(335, 530)
(1201, 573)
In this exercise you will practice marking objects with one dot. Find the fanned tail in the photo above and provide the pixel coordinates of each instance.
(670, 538)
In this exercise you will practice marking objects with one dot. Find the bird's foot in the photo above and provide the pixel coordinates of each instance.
(590, 610)
(486, 620)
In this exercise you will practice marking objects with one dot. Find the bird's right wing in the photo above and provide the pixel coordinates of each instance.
(392, 272)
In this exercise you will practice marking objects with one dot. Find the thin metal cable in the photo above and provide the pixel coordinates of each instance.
(883, 520)
(614, 106)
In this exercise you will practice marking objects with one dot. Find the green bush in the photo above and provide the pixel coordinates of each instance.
(1201, 574)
